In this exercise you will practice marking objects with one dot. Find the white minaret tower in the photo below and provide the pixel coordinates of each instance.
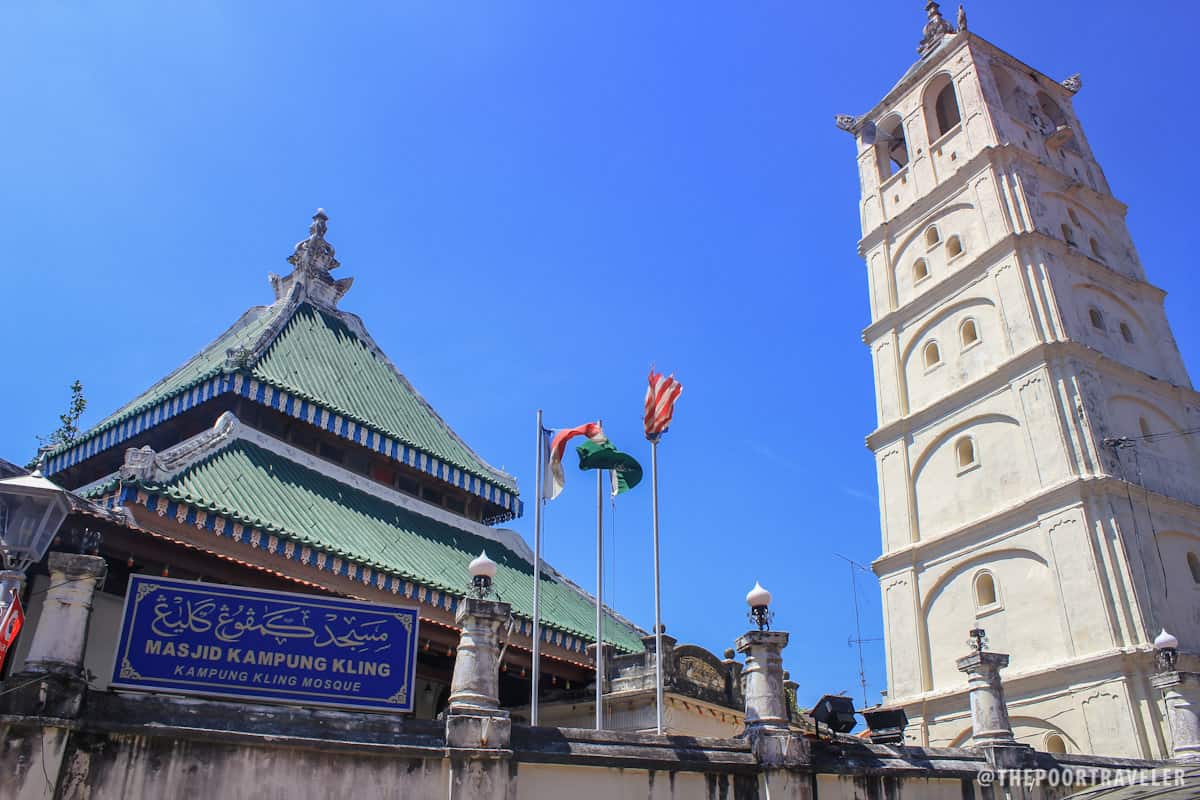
(1038, 476)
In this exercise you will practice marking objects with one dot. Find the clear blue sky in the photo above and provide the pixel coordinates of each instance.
(538, 200)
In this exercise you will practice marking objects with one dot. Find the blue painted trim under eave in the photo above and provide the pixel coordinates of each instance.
(220, 525)
(282, 401)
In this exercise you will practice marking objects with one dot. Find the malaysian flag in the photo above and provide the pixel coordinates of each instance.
(661, 395)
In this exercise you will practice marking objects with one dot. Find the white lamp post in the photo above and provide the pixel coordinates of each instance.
(1166, 649)
(31, 511)
(482, 570)
(759, 600)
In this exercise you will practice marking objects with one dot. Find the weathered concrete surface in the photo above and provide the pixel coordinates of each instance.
(131, 746)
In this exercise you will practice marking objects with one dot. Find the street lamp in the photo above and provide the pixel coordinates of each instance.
(759, 599)
(482, 570)
(1166, 651)
(31, 511)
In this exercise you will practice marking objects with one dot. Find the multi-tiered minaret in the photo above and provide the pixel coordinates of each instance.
(1037, 476)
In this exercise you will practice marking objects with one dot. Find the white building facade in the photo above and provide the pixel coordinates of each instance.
(1037, 474)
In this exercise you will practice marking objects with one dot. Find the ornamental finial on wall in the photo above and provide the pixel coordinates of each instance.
(314, 254)
(962, 18)
(935, 28)
(846, 122)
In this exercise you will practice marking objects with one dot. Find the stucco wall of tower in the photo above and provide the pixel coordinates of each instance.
(1107, 707)
(1011, 321)
(1076, 600)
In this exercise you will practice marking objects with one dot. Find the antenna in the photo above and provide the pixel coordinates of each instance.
(857, 638)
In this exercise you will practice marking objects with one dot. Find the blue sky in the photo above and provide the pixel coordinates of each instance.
(538, 200)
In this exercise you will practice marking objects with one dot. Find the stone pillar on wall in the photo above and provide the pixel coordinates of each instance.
(762, 678)
(61, 634)
(1181, 695)
(52, 683)
(991, 730)
(766, 700)
(478, 731)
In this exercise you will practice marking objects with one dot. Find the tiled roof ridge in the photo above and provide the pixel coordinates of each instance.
(591, 598)
(144, 464)
(354, 323)
(241, 361)
(287, 305)
(159, 484)
(162, 486)
(133, 407)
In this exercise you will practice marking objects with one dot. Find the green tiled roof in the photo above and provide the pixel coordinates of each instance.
(317, 356)
(204, 364)
(301, 504)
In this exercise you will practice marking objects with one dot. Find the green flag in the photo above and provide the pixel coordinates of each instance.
(625, 468)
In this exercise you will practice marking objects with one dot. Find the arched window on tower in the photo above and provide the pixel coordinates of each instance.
(1095, 245)
(891, 149)
(932, 354)
(1052, 116)
(1068, 235)
(1008, 90)
(1096, 317)
(1126, 333)
(1074, 217)
(1144, 426)
(968, 333)
(941, 107)
(920, 270)
(985, 591)
(954, 246)
(964, 453)
(932, 236)
(1055, 744)
(1194, 566)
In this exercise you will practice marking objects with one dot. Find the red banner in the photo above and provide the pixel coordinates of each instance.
(10, 625)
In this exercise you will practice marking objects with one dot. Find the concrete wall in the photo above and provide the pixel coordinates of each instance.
(538, 781)
(131, 746)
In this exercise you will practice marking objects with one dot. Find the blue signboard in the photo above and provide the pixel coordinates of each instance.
(202, 638)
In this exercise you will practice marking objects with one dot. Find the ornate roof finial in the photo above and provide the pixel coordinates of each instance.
(314, 254)
(962, 18)
(1073, 84)
(846, 122)
(935, 28)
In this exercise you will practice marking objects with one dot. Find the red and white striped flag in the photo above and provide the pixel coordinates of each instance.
(555, 479)
(661, 395)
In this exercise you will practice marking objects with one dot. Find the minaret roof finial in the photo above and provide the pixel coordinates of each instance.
(935, 28)
(314, 254)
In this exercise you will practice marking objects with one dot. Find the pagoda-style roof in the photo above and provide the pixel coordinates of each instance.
(243, 484)
(304, 357)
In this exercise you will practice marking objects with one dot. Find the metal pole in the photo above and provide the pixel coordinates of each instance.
(599, 599)
(537, 574)
(658, 628)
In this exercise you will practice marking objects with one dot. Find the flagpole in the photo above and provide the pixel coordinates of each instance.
(658, 628)
(537, 573)
(599, 599)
